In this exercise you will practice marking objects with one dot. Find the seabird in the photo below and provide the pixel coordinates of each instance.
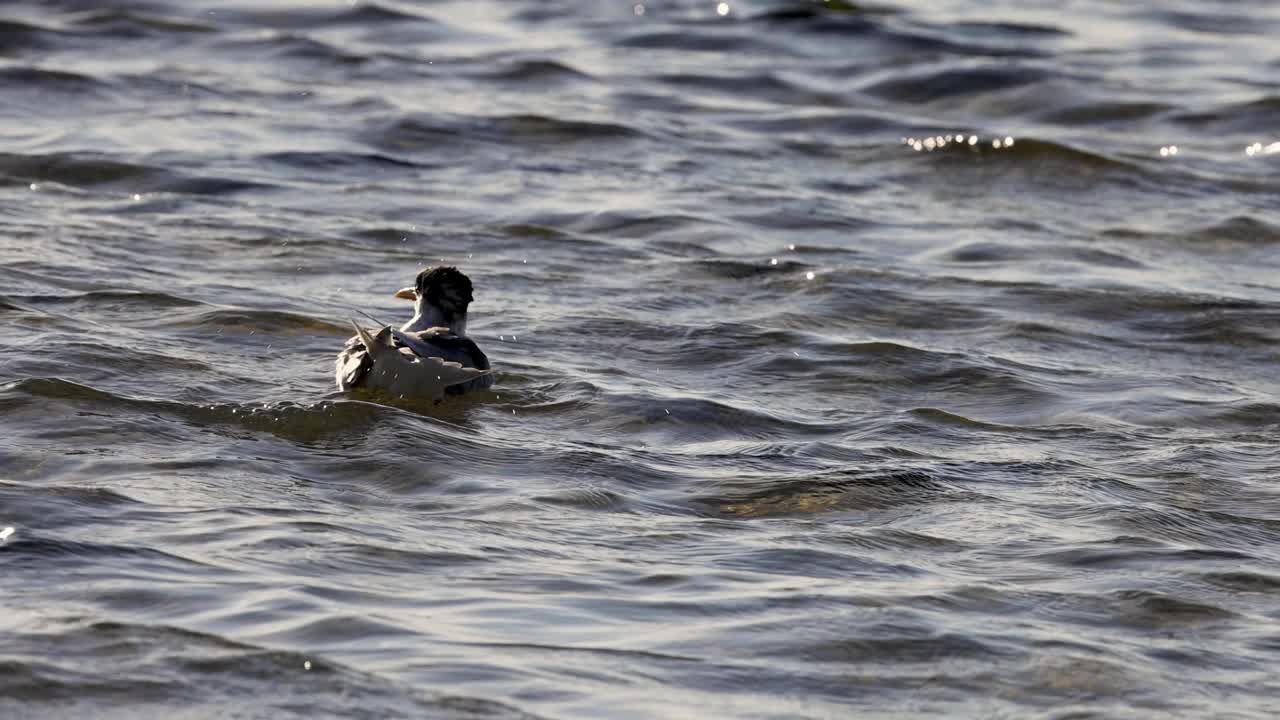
(428, 357)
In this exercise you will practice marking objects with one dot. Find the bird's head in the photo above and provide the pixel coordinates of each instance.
(441, 296)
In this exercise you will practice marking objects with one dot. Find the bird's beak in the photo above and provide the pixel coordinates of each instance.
(407, 293)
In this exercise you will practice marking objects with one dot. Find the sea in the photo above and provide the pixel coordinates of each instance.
(897, 359)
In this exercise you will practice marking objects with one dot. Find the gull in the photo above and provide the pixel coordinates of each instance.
(428, 357)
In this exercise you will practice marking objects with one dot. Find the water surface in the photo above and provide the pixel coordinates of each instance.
(902, 359)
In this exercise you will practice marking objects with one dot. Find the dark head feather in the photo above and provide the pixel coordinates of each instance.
(446, 288)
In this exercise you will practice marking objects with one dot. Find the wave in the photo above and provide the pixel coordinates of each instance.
(53, 84)
(432, 133)
(365, 13)
(539, 72)
(286, 419)
(18, 38)
(947, 84)
(130, 23)
(130, 300)
(695, 39)
(1254, 116)
(104, 173)
(827, 491)
(161, 669)
(277, 322)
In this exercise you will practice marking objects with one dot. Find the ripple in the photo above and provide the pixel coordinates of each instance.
(88, 171)
(537, 71)
(839, 491)
(338, 161)
(691, 39)
(809, 123)
(1137, 558)
(301, 423)
(135, 23)
(1160, 611)
(1253, 116)
(634, 224)
(947, 84)
(29, 551)
(763, 86)
(158, 666)
(18, 38)
(363, 14)
(426, 133)
(1094, 112)
(1244, 581)
(1229, 234)
(275, 322)
(48, 82)
(900, 649)
(812, 563)
(987, 252)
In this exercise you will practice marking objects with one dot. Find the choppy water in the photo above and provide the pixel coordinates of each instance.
(793, 418)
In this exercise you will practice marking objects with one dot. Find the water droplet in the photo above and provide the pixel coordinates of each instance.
(808, 275)
(1008, 142)
(973, 139)
(306, 664)
(773, 261)
(722, 9)
(5, 533)
(638, 9)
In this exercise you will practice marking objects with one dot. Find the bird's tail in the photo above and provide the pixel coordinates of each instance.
(370, 345)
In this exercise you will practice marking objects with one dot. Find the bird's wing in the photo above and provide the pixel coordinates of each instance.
(444, 342)
(452, 373)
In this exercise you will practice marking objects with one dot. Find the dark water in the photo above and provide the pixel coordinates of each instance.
(793, 420)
